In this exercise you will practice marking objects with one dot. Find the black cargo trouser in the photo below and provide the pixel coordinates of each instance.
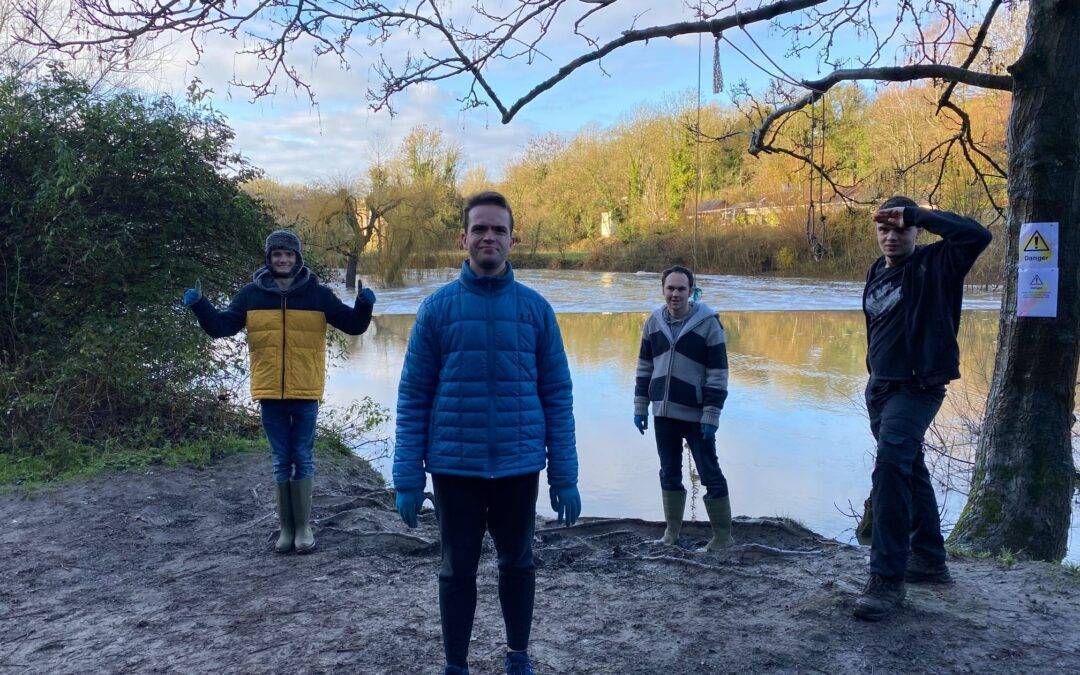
(903, 500)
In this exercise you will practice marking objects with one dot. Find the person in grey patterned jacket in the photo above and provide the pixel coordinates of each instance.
(683, 372)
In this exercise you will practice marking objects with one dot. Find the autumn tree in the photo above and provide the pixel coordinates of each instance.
(411, 201)
(405, 202)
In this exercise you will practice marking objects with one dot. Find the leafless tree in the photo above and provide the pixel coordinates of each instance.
(103, 73)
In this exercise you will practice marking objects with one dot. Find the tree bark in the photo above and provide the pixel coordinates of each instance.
(1021, 494)
(350, 271)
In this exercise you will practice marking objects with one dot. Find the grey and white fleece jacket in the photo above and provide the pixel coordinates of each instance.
(685, 377)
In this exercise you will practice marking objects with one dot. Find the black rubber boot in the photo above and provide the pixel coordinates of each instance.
(304, 539)
(879, 599)
(285, 519)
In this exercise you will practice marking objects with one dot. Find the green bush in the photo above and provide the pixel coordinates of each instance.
(109, 208)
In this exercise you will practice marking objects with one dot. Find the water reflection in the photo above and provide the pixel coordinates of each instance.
(793, 437)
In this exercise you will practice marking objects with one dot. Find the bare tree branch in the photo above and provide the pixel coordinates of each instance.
(764, 13)
(891, 74)
(976, 47)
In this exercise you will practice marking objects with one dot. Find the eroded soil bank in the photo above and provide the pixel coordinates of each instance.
(170, 570)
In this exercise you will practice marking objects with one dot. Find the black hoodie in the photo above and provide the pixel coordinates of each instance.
(933, 291)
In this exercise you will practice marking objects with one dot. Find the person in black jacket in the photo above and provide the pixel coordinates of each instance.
(912, 305)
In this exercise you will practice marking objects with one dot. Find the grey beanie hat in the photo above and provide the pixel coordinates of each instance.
(284, 240)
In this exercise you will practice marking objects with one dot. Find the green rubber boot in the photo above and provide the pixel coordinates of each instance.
(301, 508)
(674, 505)
(285, 519)
(719, 511)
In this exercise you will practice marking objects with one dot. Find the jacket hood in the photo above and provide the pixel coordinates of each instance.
(699, 312)
(264, 279)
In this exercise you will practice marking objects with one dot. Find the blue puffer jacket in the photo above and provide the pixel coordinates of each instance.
(485, 387)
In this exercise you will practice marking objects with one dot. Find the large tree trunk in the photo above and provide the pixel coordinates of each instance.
(1021, 495)
(350, 271)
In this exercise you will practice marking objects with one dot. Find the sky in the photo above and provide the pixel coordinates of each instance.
(294, 141)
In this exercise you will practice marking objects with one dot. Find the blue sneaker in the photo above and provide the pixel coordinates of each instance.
(456, 670)
(517, 663)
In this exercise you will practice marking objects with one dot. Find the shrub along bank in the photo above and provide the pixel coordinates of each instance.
(109, 208)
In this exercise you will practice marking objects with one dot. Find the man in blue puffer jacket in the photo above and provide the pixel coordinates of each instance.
(484, 404)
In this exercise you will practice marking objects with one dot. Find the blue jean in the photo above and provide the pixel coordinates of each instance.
(670, 433)
(290, 427)
(902, 498)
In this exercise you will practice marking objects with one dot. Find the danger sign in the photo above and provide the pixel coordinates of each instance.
(1036, 292)
(1037, 275)
(1038, 244)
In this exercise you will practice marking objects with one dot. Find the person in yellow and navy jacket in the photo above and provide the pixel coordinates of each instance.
(285, 310)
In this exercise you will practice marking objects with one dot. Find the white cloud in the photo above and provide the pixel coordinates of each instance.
(305, 145)
(297, 142)
(293, 141)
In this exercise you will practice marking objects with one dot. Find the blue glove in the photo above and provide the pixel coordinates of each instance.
(408, 505)
(708, 431)
(191, 296)
(642, 423)
(367, 295)
(566, 502)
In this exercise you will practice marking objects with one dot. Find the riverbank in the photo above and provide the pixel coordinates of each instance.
(169, 569)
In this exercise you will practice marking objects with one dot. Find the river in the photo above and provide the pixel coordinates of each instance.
(793, 439)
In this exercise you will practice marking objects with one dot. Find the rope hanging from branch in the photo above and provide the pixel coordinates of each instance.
(697, 148)
(717, 73)
(815, 212)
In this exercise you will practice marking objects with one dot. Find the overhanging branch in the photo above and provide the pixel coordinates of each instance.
(890, 74)
(976, 46)
(668, 31)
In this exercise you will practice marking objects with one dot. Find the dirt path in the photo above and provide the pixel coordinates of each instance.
(171, 571)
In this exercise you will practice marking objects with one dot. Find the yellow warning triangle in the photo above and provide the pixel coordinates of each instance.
(1036, 243)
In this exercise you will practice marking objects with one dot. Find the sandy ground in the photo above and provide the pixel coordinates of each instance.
(170, 570)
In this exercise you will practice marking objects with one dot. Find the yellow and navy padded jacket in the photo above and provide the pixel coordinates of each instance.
(286, 331)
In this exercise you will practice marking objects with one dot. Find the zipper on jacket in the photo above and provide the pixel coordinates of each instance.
(491, 378)
(283, 301)
(667, 381)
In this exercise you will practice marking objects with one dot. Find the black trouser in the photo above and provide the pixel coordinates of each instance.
(905, 507)
(670, 433)
(507, 508)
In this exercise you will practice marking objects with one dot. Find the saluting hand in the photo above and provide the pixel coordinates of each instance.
(892, 216)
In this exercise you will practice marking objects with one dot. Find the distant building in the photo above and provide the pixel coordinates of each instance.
(607, 228)
(759, 212)
(711, 208)
(375, 242)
